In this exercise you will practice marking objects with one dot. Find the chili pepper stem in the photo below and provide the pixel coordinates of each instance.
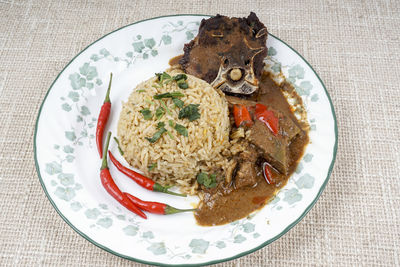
(159, 188)
(104, 164)
(172, 210)
(107, 99)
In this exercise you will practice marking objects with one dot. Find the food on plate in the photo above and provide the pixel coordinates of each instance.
(228, 53)
(155, 207)
(216, 124)
(172, 134)
(103, 118)
(141, 179)
(109, 185)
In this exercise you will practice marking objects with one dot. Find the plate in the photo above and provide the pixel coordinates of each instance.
(68, 165)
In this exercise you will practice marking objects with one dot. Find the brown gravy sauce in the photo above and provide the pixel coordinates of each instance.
(222, 205)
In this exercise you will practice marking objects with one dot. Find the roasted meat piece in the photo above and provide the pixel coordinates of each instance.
(228, 53)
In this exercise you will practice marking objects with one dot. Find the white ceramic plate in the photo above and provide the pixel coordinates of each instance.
(68, 165)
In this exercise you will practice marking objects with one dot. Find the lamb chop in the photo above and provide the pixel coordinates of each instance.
(228, 53)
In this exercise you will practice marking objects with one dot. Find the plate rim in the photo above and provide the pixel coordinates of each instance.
(267, 242)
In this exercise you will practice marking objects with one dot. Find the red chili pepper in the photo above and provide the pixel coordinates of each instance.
(241, 115)
(267, 173)
(141, 179)
(268, 117)
(110, 186)
(155, 207)
(103, 118)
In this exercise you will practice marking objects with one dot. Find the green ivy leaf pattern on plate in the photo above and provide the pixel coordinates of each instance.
(308, 157)
(130, 230)
(76, 206)
(53, 168)
(272, 51)
(314, 98)
(66, 107)
(148, 234)
(85, 111)
(104, 222)
(297, 72)
(68, 149)
(65, 193)
(74, 96)
(150, 43)
(138, 46)
(248, 227)
(199, 246)
(305, 181)
(299, 168)
(220, 244)
(66, 179)
(92, 213)
(166, 39)
(239, 239)
(70, 135)
(292, 196)
(157, 248)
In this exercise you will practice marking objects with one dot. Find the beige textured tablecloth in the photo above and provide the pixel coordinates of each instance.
(353, 45)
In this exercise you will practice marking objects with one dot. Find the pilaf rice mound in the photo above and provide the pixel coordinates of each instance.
(176, 159)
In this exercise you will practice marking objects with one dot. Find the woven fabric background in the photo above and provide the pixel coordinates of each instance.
(353, 45)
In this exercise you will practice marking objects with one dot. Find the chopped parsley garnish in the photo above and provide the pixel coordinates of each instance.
(160, 125)
(149, 102)
(171, 123)
(166, 78)
(191, 112)
(170, 135)
(146, 113)
(165, 107)
(163, 77)
(119, 148)
(181, 129)
(180, 77)
(169, 95)
(209, 181)
(160, 113)
(151, 167)
(140, 90)
(157, 135)
(183, 85)
(178, 103)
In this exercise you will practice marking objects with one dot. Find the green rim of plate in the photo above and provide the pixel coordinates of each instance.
(205, 263)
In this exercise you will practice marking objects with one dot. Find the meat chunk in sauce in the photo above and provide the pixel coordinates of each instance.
(246, 175)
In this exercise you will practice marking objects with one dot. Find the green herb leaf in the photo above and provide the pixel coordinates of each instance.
(181, 129)
(163, 77)
(171, 123)
(146, 113)
(191, 112)
(119, 148)
(178, 103)
(169, 95)
(151, 167)
(149, 102)
(160, 125)
(209, 181)
(201, 177)
(160, 113)
(157, 135)
(183, 85)
(140, 90)
(170, 135)
(165, 107)
(180, 77)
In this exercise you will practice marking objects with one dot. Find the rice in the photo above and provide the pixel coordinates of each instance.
(176, 160)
